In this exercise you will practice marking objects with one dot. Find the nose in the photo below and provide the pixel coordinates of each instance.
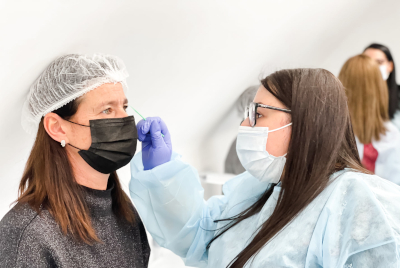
(125, 114)
(121, 113)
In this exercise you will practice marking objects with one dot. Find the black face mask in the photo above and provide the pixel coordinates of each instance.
(113, 143)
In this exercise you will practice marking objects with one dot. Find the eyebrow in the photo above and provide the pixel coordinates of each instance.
(111, 103)
(262, 103)
(273, 107)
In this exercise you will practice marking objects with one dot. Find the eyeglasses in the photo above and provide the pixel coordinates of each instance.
(251, 111)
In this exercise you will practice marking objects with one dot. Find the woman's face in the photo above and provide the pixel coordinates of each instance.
(380, 58)
(106, 101)
(278, 141)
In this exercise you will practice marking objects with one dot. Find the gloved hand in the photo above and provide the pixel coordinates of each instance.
(156, 149)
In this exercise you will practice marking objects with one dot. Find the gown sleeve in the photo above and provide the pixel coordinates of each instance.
(169, 199)
(359, 225)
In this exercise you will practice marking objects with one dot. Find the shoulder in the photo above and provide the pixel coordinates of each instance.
(360, 217)
(361, 184)
(242, 191)
(18, 227)
(391, 129)
(390, 139)
(12, 228)
(245, 180)
(362, 201)
(16, 221)
(388, 147)
(396, 119)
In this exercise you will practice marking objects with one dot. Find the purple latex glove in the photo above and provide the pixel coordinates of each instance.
(156, 149)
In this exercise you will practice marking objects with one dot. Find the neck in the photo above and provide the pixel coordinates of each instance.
(87, 176)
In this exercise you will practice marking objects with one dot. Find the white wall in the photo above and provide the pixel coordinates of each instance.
(188, 60)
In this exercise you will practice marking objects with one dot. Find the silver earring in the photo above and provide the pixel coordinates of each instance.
(63, 143)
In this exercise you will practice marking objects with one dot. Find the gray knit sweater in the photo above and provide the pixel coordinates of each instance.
(31, 240)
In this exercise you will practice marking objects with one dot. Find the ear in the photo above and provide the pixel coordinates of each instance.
(390, 67)
(54, 126)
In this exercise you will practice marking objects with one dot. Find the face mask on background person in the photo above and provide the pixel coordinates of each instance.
(113, 143)
(385, 74)
(252, 153)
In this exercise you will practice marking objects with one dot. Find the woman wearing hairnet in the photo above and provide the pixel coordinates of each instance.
(378, 139)
(71, 210)
(304, 201)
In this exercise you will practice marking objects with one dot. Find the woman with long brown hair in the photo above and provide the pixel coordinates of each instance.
(378, 140)
(71, 210)
(304, 201)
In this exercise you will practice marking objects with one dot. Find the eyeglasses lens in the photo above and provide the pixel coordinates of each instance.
(252, 114)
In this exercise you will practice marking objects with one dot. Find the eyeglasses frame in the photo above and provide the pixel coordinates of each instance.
(262, 106)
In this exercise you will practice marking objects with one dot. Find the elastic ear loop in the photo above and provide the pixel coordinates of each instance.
(276, 129)
(280, 129)
(78, 125)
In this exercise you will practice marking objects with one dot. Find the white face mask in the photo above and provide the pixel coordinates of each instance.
(251, 150)
(384, 72)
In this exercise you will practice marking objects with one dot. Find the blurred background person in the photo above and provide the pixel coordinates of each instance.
(232, 163)
(382, 55)
(378, 140)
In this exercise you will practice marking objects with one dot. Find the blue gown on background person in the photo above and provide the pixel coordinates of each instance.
(354, 222)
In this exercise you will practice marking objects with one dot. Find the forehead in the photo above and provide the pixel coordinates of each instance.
(375, 54)
(263, 96)
(106, 92)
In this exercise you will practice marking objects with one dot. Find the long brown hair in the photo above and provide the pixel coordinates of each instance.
(322, 142)
(48, 183)
(393, 88)
(367, 96)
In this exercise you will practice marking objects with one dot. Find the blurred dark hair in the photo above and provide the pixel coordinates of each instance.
(391, 81)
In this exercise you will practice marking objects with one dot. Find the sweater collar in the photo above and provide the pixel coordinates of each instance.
(99, 202)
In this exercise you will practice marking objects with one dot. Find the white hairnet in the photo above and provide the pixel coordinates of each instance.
(66, 79)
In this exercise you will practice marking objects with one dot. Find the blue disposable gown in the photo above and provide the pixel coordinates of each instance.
(354, 222)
